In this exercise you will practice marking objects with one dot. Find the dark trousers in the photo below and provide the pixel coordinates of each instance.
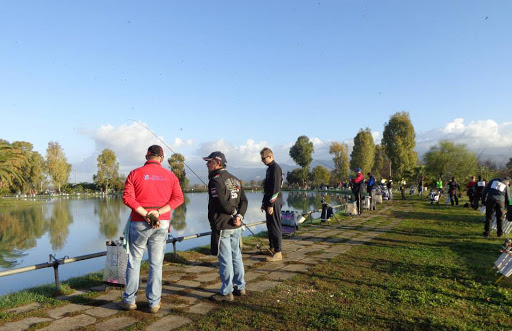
(476, 200)
(358, 197)
(275, 235)
(453, 196)
(492, 205)
(509, 213)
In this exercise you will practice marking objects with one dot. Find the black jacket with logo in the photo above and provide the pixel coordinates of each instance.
(226, 200)
(497, 190)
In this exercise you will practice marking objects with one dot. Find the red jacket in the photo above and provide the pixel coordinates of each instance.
(152, 187)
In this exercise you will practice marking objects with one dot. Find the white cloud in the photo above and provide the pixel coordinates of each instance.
(487, 138)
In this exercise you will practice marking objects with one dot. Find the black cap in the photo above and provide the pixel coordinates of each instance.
(219, 156)
(155, 150)
(507, 178)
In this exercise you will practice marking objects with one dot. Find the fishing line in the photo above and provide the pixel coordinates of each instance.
(259, 244)
(163, 142)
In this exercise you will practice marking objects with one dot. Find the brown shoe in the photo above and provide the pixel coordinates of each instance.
(277, 257)
(239, 293)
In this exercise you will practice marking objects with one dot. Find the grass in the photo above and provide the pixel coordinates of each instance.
(430, 272)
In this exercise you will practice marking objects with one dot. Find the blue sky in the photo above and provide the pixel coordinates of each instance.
(240, 75)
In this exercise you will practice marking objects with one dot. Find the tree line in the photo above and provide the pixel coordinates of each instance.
(393, 158)
(23, 170)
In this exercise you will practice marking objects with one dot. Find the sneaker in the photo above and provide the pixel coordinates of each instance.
(127, 306)
(238, 292)
(154, 309)
(277, 257)
(219, 297)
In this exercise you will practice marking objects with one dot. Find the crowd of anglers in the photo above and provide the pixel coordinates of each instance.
(153, 192)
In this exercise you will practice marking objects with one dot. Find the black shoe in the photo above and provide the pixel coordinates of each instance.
(500, 235)
(239, 293)
(485, 234)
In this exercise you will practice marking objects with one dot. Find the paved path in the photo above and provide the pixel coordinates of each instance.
(187, 287)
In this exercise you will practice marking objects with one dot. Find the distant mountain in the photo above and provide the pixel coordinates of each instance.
(258, 173)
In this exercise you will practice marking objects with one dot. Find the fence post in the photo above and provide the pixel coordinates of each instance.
(56, 263)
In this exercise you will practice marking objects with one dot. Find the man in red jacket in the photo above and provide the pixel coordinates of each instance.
(152, 192)
(357, 188)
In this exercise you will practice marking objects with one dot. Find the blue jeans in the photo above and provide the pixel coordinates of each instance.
(142, 236)
(231, 267)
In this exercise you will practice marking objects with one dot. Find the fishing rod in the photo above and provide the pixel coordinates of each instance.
(163, 142)
(259, 244)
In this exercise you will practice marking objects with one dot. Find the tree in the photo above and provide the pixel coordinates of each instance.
(108, 169)
(381, 165)
(399, 140)
(302, 153)
(341, 164)
(320, 175)
(294, 177)
(448, 160)
(177, 166)
(363, 153)
(12, 161)
(57, 165)
(33, 169)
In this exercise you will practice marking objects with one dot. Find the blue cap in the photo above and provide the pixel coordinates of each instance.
(358, 170)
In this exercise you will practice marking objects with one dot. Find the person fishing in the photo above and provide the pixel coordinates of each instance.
(151, 192)
(453, 189)
(357, 188)
(402, 187)
(470, 190)
(371, 189)
(227, 205)
(272, 203)
(480, 185)
(389, 186)
(495, 196)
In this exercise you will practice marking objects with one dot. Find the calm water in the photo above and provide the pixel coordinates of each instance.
(74, 227)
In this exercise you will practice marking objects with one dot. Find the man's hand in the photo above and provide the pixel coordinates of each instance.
(270, 210)
(153, 220)
(237, 221)
(262, 207)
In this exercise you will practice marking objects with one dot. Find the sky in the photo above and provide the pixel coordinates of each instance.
(237, 76)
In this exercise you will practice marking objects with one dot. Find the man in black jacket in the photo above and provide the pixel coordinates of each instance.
(227, 205)
(272, 203)
(496, 196)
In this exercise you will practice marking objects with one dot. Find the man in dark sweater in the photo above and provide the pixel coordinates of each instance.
(227, 205)
(272, 203)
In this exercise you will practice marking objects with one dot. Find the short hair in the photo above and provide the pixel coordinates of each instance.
(266, 151)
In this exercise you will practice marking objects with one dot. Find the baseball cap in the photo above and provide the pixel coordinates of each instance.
(357, 169)
(155, 150)
(507, 178)
(219, 156)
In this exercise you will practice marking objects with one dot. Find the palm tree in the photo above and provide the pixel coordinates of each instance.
(11, 163)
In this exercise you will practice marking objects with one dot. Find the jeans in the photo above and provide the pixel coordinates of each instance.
(231, 267)
(142, 236)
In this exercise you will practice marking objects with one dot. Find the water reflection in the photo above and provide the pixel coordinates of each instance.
(18, 232)
(179, 216)
(59, 222)
(306, 201)
(108, 210)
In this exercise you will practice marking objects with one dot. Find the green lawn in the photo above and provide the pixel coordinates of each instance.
(431, 272)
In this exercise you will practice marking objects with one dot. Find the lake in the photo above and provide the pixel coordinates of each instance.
(70, 227)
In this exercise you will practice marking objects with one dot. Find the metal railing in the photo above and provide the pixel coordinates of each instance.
(55, 262)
